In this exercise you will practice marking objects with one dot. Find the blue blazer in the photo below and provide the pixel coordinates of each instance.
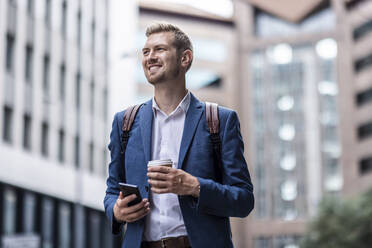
(207, 217)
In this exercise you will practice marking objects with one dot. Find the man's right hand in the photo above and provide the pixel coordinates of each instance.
(123, 213)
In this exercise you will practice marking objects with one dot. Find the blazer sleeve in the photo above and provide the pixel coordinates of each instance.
(116, 175)
(234, 197)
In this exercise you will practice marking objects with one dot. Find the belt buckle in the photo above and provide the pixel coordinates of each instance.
(163, 240)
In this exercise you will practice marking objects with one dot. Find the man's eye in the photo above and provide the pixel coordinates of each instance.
(145, 52)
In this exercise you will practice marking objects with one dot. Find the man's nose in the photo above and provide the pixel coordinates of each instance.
(152, 57)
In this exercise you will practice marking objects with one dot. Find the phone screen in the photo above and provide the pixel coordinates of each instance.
(129, 189)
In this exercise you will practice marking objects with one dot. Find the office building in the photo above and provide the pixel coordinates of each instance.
(55, 122)
(307, 103)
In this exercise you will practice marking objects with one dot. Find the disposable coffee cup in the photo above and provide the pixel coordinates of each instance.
(161, 162)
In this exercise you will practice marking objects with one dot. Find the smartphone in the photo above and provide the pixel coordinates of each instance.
(129, 189)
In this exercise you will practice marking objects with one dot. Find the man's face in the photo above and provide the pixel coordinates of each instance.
(160, 61)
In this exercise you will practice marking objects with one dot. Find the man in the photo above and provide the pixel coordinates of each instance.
(184, 205)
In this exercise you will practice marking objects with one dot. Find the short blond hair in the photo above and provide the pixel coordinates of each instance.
(181, 41)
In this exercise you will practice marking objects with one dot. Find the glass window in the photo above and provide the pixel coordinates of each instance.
(29, 213)
(80, 233)
(365, 165)
(93, 37)
(289, 190)
(365, 131)
(288, 162)
(280, 54)
(10, 208)
(290, 214)
(47, 228)
(328, 118)
(326, 49)
(30, 7)
(64, 226)
(333, 182)
(46, 68)
(62, 82)
(328, 88)
(280, 76)
(44, 139)
(107, 240)
(28, 64)
(77, 90)
(92, 89)
(287, 132)
(91, 156)
(8, 124)
(285, 103)
(287, 241)
(262, 242)
(364, 97)
(94, 229)
(48, 9)
(27, 132)
(64, 19)
(363, 63)
(330, 133)
(79, 27)
(362, 30)
(61, 145)
(77, 151)
(332, 148)
(9, 62)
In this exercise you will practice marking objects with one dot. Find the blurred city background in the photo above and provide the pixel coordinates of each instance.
(298, 72)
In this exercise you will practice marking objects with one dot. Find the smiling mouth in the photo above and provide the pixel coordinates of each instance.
(154, 68)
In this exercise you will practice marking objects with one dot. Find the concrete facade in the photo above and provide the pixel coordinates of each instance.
(59, 72)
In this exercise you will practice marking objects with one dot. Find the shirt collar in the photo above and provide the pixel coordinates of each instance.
(184, 104)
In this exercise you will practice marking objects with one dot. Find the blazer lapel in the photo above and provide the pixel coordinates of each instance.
(146, 128)
(191, 122)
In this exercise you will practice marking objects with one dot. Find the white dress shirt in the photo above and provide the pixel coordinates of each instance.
(165, 218)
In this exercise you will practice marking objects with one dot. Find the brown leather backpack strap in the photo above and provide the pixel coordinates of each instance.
(212, 117)
(129, 116)
(128, 119)
(211, 113)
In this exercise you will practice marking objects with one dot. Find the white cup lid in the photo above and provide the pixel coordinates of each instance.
(160, 162)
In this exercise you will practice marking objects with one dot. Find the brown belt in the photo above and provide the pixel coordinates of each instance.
(171, 242)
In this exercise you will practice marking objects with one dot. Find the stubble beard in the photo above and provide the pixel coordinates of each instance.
(174, 73)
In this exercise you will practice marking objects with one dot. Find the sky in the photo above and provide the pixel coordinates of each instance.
(220, 7)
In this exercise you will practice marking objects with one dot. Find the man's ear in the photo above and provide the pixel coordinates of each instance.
(186, 58)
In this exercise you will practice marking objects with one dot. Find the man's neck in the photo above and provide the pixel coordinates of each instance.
(168, 96)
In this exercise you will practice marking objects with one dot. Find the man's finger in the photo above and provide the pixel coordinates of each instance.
(158, 184)
(160, 190)
(157, 176)
(135, 208)
(161, 169)
(138, 215)
(124, 202)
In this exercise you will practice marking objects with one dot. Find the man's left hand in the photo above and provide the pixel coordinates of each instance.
(170, 180)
